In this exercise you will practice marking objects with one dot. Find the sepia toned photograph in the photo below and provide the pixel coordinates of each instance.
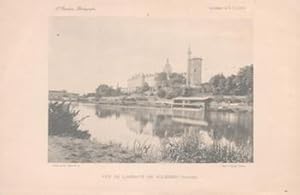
(150, 90)
(147, 97)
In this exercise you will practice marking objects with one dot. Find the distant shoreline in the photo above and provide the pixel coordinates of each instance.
(221, 107)
(217, 107)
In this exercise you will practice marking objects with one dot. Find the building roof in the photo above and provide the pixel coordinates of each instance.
(193, 98)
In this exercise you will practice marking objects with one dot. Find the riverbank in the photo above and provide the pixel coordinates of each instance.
(73, 150)
(214, 106)
(227, 107)
(218, 103)
(186, 150)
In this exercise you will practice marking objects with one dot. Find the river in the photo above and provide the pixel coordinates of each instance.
(131, 126)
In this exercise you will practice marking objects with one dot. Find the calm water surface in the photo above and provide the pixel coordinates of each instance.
(128, 126)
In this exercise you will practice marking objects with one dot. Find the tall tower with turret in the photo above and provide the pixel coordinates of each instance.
(188, 67)
(167, 68)
(194, 70)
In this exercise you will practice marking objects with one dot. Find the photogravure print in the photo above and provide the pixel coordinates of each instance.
(150, 90)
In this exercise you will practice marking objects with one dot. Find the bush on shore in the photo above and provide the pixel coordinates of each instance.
(62, 121)
(190, 149)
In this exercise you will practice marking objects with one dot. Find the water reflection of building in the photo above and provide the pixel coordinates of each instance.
(164, 127)
(231, 127)
(235, 127)
(134, 125)
(107, 113)
(139, 125)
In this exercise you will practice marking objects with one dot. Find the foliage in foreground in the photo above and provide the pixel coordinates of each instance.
(190, 149)
(62, 121)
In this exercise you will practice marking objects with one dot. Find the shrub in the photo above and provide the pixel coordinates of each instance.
(174, 92)
(62, 121)
(161, 93)
(190, 150)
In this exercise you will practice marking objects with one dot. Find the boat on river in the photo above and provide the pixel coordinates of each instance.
(191, 103)
(190, 107)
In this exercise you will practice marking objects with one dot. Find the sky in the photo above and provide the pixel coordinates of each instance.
(85, 52)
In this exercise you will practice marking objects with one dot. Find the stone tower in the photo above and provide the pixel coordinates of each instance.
(188, 75)
(167, 68)
(194, 70)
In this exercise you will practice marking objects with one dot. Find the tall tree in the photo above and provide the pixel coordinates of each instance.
(244, 81)
(240, 84)
(218, 84)
(161, 79)
(176, 80)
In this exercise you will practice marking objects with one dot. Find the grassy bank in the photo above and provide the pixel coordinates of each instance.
(68, 143)
(74, 150)
(186, 150)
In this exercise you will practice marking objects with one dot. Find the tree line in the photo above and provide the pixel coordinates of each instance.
(173, 85)
(239, 84)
